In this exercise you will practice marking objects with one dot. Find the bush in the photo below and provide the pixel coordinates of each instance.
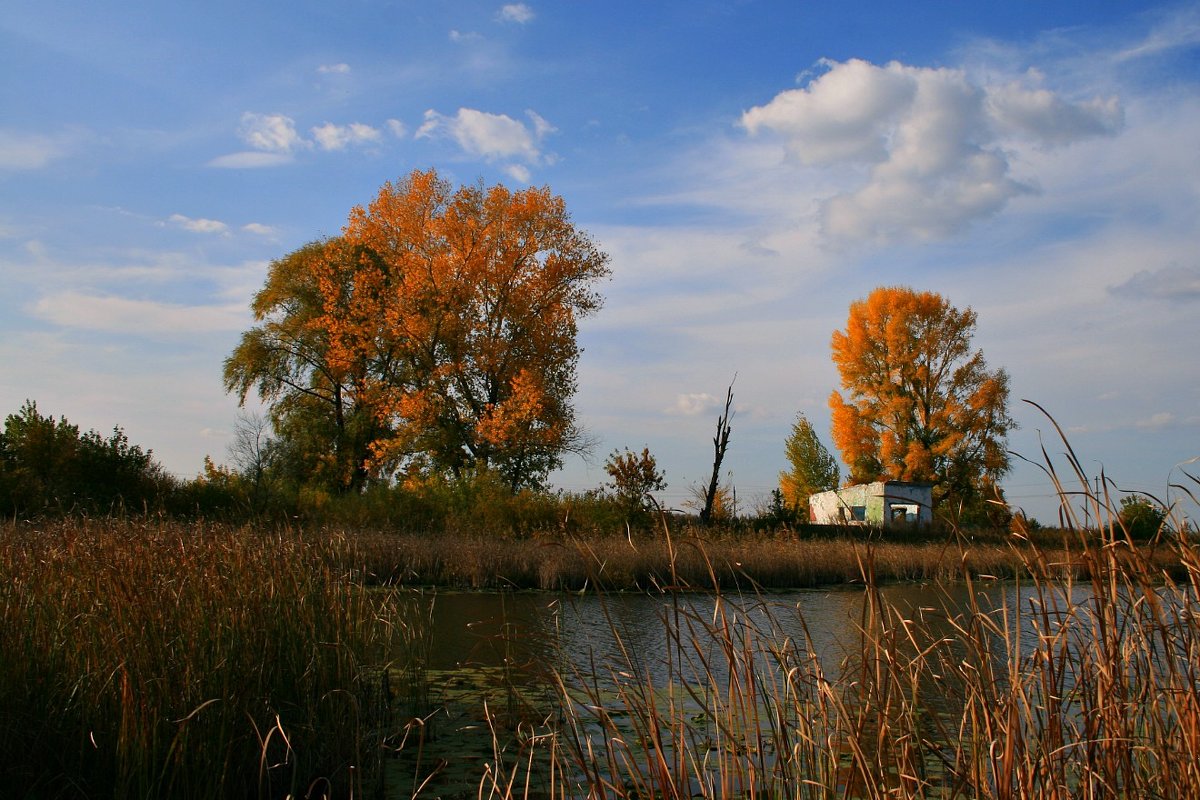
(47, 465)
(1140, 518)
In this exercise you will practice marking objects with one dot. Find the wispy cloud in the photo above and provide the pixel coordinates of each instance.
(1169, 283)
(250, 160)
(1179, 29)
(334, 69)
(27, 151)
(198, 225)
(258, 229)
(1162, 419)
(113, 314)
(519, 13)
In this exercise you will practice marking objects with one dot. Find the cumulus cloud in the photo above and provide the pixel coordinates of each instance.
(489, 136)
(21, 151)
(198, 225)
(258, 229)
(334, 69)
(272, 133)
(932, 142)
(691, 405)
(275, 139)
(1168, 283)
(519, 13)
(337, 137)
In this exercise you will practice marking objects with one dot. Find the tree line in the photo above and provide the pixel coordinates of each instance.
(433, 344)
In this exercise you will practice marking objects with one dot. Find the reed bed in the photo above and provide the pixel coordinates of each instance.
(142, 660)
(706, 560)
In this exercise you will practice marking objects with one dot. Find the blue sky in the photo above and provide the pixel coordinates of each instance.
(751, 167)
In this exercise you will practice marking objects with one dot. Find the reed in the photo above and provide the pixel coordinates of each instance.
(707, 559)
(146, 660)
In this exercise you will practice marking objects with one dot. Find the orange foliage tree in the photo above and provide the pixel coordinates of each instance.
(465, 305)
(920, 404)
(319, 401)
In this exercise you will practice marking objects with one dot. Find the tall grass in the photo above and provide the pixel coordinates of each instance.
(144, 660)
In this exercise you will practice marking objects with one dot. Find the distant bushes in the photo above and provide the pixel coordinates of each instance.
(48, 465)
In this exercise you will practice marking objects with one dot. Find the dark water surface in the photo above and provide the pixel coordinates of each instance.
(491, 655)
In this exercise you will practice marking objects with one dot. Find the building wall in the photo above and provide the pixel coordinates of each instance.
(880, 503)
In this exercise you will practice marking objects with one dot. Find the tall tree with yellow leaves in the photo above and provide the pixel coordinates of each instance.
(319, 401)
(920, 404)
(813, 469)
(466, 302)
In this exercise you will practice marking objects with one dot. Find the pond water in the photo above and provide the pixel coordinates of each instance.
(491, 656)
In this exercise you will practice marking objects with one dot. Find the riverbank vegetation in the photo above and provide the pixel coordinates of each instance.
(145, 658)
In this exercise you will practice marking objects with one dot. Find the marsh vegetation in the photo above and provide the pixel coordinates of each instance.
(161, 659)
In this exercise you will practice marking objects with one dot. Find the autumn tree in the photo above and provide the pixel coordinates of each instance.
(464, 305)
(920, 404)
(813, 469)
(634, 476)
(319, 401)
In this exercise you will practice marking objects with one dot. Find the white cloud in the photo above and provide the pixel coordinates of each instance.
(464, 36)
(932, 144)
(692, 405)
(259, 229)
(336, 137)
(21, 151)
(198, 225)
(519, 13)
(111, 314)
(519, 173)
(250, 160)
(397, 128)
(489, 136)
(271, 133)
(334, 69)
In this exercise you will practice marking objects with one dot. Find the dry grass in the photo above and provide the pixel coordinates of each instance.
(163, 660)
(705, 559)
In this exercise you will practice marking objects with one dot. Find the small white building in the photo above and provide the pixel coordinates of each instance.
(880, 503)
